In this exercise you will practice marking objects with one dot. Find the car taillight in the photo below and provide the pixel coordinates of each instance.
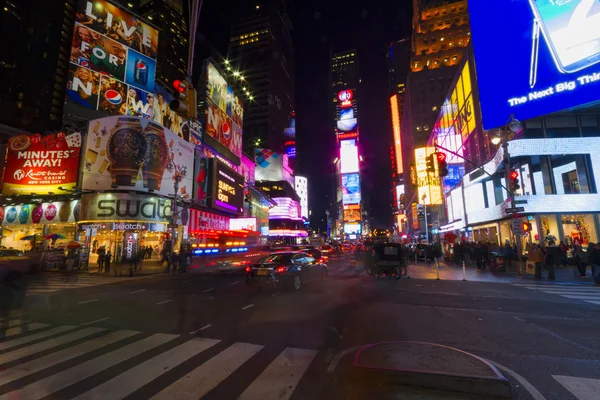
(321, 260)
(248, 269)
(280, 270)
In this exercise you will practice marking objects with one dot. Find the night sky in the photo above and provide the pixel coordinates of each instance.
(321, 28)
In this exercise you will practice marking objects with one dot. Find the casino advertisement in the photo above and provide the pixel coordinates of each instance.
(41, 164)
(113, 61)
(223, 115)
(133, 153)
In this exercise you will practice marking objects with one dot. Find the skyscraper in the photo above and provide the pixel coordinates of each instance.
(441, 32)
(345, 81)
(34, 61)
(261, 51)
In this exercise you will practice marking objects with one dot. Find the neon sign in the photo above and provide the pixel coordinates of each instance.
(345, 98)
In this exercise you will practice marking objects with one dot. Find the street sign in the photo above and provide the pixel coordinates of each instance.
(517, 227)
(520, 202)
(514, 210)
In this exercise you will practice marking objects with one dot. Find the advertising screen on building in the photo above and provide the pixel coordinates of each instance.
(40, 165)
(242, 224)
(553, 50)
(396, 128)
(352, 212)
(350, 189)
(269, 165)
(430, 191)
(348, 156)
(223, 116)
(132, 153)
(113, 60)
(345, 98)
(352, 229)
(40, 213)
(227, 188)
(286, 208)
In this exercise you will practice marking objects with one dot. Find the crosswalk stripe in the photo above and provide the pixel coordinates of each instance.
(128, 382)
(30, 338)
(582, 388)
(29, 328)
(582, 296)
(47, 344)
(11, 374)
(592, 301)
(281, 377)
(207, 376)
(54, 383)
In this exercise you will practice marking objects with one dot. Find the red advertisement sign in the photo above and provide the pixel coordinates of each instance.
(36, 164)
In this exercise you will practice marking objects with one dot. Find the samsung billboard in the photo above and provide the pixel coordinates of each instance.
(542, 58)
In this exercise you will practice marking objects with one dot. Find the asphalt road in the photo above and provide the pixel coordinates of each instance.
(211, 336)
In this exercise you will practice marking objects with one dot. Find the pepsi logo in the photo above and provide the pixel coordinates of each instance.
(141, 65)
(226, 130)
(113, 97)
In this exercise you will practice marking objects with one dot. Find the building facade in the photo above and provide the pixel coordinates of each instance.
(349, 209)
(261, 51)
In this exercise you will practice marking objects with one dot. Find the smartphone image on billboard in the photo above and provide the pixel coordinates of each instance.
(572, 30)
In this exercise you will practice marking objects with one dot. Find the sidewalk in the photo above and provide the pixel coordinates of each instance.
(453, 271)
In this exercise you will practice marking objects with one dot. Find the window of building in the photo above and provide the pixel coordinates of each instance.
(540, 171)
(589, 125)
(561, 127)
(570, 173)
(533, 128)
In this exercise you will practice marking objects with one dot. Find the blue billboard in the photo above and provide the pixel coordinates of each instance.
(539, 57)
(350, 189)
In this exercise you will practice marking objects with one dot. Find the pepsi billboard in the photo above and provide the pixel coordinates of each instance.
(113, 61)
(544, 56)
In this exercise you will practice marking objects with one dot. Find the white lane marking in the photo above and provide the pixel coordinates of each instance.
(275, 294)
(29, 328)
(14, 322)
(247, 307)
(47, 344)
(68, 377)
(24, 369)
(88, 301)
(582, 296)
(93, 322)
(535, 394)
(163, 302)
(280, 378)
(36, 336)
(131, 380)
(201, 329)
(582, 388)
(207, 376)
(208, 290)
(138, 291)
(235, 283)
(592, 301)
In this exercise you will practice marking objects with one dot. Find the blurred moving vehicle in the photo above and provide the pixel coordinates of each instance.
(328, 250)
(289, 269)
(15, 261)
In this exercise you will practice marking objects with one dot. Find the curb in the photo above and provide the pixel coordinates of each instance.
(493, 386)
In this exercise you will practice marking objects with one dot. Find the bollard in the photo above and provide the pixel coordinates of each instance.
(437, 268)
(464, 271)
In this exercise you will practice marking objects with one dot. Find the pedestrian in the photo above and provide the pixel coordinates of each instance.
(100, 253)
(107, 258)
(581, 259)
(536, 256)
(594, 259)
(563, 252)
(553, 257)
(478, 254)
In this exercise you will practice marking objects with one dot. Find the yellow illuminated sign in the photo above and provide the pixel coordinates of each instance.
(429, 188)
(396, 129)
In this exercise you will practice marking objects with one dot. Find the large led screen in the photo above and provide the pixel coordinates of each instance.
(348, 157)
(350, 189)
(113, 61)
(227, 188)
(545, 60)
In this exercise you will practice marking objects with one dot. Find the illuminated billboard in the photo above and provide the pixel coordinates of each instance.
(350, 189)
(286, 208)
(345, 98)
(348, 156)
(396, 128)
(352, 229)
(429, 189)
(546, 62)
(347, 125)
(223, 114)
(242, 224)
(269, 165)
(352, 212)
(227, 188)
(112, 61)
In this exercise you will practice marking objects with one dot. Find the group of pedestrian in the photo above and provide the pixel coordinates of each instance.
(553, 255)
(145, 252)
(104, 259)
(590, 257)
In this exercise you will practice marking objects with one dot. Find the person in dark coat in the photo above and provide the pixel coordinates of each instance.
(553, 258)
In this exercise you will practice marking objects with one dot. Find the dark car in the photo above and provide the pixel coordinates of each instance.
(290, 269)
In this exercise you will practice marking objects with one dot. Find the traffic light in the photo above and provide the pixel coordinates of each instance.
(431, 164)
(527, 227)
(247, 196)
(514, 181)
(184, 99)
(442, 164)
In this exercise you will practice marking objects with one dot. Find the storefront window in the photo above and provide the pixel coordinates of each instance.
(542, 181)
(570, 174)
(549, 228)
(579, 229)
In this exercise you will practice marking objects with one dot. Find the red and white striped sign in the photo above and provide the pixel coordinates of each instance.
(205, 221)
